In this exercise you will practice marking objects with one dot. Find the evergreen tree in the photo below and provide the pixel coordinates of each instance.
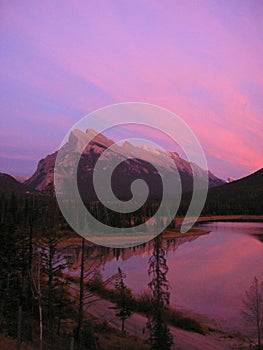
(54, 288)
(124, 299)
(13, 268)
(159, 334)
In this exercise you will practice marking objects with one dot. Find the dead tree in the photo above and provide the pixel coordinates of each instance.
(253, 308)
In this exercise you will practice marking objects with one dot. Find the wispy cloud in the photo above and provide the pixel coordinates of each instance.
(60, 61)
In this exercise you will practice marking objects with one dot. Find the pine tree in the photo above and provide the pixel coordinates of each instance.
(124, 299)
(54, 287)
(159, 333)
(13, 268)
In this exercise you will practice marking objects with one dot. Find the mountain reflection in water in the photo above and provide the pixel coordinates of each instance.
(208, 274)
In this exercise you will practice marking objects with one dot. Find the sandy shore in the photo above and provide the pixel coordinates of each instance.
(194, 231)
(135, 240)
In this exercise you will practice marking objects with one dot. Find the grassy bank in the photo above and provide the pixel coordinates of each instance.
(111, 338)
(107, 337)
(143, 304)
(7, 343)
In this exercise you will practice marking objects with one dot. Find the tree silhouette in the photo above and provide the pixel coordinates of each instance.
(159, 333)
(124, 299)
(13, 268)
(253, 312)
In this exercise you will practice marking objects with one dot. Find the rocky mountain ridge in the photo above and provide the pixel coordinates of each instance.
(132, 168)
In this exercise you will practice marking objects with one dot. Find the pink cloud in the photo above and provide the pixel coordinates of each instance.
(190, 59)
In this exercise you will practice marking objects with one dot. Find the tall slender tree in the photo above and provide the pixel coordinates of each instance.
(81, 296)
(35, 275)
(159, 333)
(53, 263)
(124, 299)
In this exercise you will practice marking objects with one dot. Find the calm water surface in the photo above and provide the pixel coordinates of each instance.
(208, 275)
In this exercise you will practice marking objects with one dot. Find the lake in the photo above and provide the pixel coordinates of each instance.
(208, 275)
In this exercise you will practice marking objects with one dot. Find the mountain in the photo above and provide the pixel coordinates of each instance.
(8, 184)
(243, 196)
(144, 162)
(21, 179)
(230, 179)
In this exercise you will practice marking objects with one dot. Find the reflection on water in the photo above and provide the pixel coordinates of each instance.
(207, 275)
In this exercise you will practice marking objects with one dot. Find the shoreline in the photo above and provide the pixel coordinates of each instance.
(231, 218)
(224, 218)
(74, 238)
(194, 231)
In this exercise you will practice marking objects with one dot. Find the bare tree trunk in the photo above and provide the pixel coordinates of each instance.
(30, 296)
(81, 295)
(259, 336)
(19, 322)
(122, 324)
(40, 308)
(58, 327)
(49, 301)
(20, 310)
(40, 327)
(36, 293)
(72, 343)
(258, 318)
(253, 312)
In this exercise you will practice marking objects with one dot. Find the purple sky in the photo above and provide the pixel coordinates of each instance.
(203, 60)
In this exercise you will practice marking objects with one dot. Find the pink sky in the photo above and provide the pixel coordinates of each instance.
(200, 59)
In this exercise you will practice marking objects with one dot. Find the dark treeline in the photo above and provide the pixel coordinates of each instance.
(221, 202)
(38, 303)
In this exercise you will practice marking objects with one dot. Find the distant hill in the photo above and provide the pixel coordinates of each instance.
(9, 184)
(243, 196)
